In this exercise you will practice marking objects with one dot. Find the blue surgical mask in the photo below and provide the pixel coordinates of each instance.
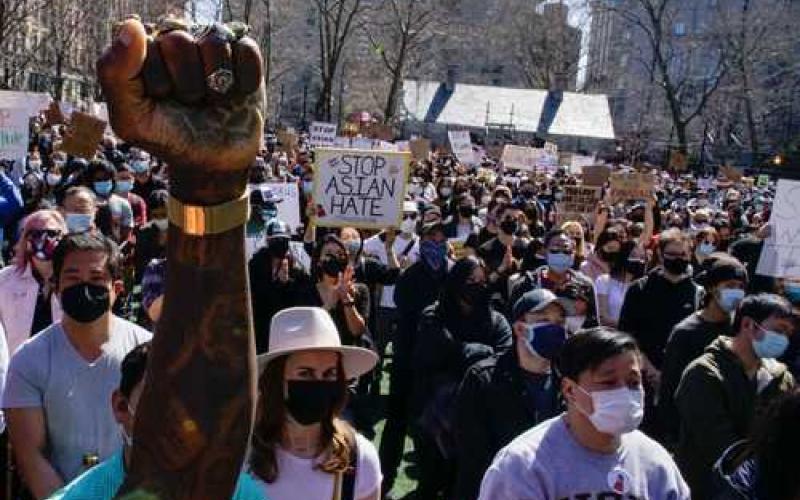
(771, 345)
(560, 262)
(706, 248)
(729, 298)
(792, 292)
(140, 166)
(103, 188)
(124, 187)
(546, 339)
(78, 223)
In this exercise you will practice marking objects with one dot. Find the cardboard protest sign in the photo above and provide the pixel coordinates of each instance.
(551, 149)
(53, 115)
(581, 199)
(763, 181)
(289, 207)
(780, 256)
(461, 144)
(596, 175)
(732, 173)
(83, 135)
(378, 131)
(631, 186)
(364, 189)
(322, 134)
(420, 148)
(519, 157)
(287, 140)
(13, 133)
(578, 163)
(678, 161)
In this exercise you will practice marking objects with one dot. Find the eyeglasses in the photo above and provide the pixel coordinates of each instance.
(38, 233)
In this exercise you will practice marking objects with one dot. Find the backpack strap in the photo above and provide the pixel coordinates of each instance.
(349, 477)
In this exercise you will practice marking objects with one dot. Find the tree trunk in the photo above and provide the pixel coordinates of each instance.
(59, 89)
(323, 107)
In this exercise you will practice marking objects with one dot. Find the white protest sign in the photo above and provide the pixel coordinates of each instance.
(362, 143)
(13, 133)
(322, 134)
(519, 157)
(364, 189)
(461, 144)
(32, 102)
(289, 207)
(342, 142)
(780, 256)
(578, 162)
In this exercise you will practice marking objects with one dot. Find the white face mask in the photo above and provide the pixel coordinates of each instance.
(408, 226)
(52, 179)
(616, 411)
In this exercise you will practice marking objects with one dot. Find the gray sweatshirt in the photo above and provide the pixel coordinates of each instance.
(546, 463)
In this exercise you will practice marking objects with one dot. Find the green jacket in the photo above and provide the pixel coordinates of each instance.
(717, 402)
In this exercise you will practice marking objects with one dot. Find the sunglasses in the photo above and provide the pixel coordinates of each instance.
(38, 233)
(561, 251)
(409, 216)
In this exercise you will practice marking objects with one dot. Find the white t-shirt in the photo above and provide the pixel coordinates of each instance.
(614, 290)
(297, 477)
(376, 248)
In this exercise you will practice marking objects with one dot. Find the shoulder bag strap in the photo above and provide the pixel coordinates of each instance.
(349, 479)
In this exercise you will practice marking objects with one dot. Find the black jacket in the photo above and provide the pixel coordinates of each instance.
(417, 288)
(497, 402)
(268, 296)
(443, 353)
(653, 306)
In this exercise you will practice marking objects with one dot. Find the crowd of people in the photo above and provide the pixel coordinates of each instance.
(629, 353)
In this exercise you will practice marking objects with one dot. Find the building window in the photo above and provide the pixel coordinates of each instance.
(680, 29)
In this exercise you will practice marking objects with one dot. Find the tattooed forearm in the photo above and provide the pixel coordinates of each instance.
(198, 400)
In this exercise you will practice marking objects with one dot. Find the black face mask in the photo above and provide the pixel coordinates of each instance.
(636, 268)
(465, 212)
(332, 267)
(610, 257)
(85, 302)
(309, 401)
(476, 295)
(509, 226)
(279, 247)
(676, 266)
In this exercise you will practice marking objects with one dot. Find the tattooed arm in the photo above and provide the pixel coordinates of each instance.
(194, 418)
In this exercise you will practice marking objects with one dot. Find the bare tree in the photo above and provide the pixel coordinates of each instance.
(668, 57)
(17, 46)
(398, 31)
(758, 37)
(335, 23)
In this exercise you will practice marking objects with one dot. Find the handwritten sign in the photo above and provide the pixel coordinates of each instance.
(780, 256)
(763, 181)
(581, 199)
(322, 134)
(631, 186)
(360, 188)
(420, 148)
(732, 173)
(32, 102)
(287, 140)
(519, 157)
(289, 207)
(378, 131)
(13, 133)
(461, 144)
(596, 175)
(577, 163)
(83, 135)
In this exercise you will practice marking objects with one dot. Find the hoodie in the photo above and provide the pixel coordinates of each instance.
(717, 403)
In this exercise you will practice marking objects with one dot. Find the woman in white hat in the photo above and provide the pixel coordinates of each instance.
(301, 448)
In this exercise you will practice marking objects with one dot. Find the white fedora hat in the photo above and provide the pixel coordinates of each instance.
(301, 329)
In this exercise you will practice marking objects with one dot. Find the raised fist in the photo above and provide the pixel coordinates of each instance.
(194, 100)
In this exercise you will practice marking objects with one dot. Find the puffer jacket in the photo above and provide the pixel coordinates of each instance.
(736, 475)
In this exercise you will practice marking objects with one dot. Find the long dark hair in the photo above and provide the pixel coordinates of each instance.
(450, 305)
(271, 419)
(315, 259)
(774, 443)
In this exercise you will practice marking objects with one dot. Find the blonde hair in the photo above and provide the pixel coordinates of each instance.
(580, 246)
(35, 219)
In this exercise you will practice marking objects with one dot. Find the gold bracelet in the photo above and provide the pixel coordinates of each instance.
(200, 221)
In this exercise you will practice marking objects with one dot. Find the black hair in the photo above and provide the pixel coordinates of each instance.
(133, 367)
(123, 167)
(773, 442)
(761, 307)
(101, 166)
(86, 242)
(317, 257)
(453, 290)
(157, 199)
(590, 348)
(553, 234)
